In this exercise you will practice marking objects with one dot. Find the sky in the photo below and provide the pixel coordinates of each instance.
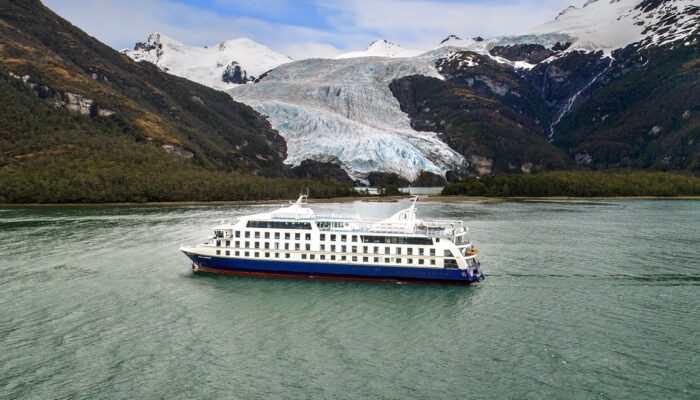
(305, 28)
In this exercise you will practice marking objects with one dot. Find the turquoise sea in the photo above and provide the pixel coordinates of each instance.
(582, 300)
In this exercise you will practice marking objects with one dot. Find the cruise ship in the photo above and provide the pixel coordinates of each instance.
(293, 241)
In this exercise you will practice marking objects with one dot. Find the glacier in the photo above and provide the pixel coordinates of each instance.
(344, 109)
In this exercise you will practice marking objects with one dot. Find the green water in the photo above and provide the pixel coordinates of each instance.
(582, 300)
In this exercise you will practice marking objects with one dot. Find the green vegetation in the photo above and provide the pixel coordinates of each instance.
(497, 132)
(579, 184)
(647, 115)
(142, 135)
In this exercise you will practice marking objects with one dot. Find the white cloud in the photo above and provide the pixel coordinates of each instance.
(419, 24)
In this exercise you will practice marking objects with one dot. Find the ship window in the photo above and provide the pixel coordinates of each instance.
(376, 259)
(277, 246)
(247, 234)
(354, 258)
(323, 247)
(257, 245)
(354, 238)
(398, 250)
(409, 251)
(308, 247)
(333, 238)
(228, 243)
(237, 253)
(343, 248)
(218, 252)
(267, 255)
(342, 258)
(228, 252)
(286, 255)
(365, 259)
(410, 261)
(312, 256)
(247, 245)
(323, 236)
(218, 243)
(376, 249)
(277, 255)
(386, 260)
(420, 261)
(297, 236)
(437, 240)
(432, 261)
(395, 240)
(287, 235)
(364, 249)
(277, 235)
(332, 247)
(247, 253)
(398, 261)
(323, 256)
(308, 236)
(296, 246)
(420, 251)
(278, 225)
(354, 249)
(267, 235)
(267, 245)
(238, 234)
(257, 235)
(286, 246)
(451, 264)
(387, 250)
(332, 258)
(303, 256)
(432, 252)
(238, 244)
(257, 254)
(343, 238)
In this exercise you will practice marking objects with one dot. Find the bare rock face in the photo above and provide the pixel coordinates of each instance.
(235, 74)
(531, 53)
(177, 150)
(482, 165)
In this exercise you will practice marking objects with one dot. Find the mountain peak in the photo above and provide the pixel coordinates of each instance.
(449, 38)
(381, 48)
(221, 66)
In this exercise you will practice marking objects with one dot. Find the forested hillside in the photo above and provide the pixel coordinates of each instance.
(82, 122)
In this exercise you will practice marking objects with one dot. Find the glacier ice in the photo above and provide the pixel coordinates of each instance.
(344, 108)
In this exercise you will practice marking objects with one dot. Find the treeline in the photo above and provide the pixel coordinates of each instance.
(579, 184)
(56, 180)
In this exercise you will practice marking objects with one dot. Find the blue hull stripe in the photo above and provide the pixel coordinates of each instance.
(339, 271)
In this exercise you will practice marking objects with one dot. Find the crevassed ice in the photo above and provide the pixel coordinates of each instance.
(344, 108)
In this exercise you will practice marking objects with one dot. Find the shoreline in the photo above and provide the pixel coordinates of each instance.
(367, 199)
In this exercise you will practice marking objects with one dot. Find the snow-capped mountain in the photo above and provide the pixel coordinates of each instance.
(222, 66)
(612, 24)
(381, 48)
(344, 109)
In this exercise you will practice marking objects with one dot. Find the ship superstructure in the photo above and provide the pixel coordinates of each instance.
(293, 241)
